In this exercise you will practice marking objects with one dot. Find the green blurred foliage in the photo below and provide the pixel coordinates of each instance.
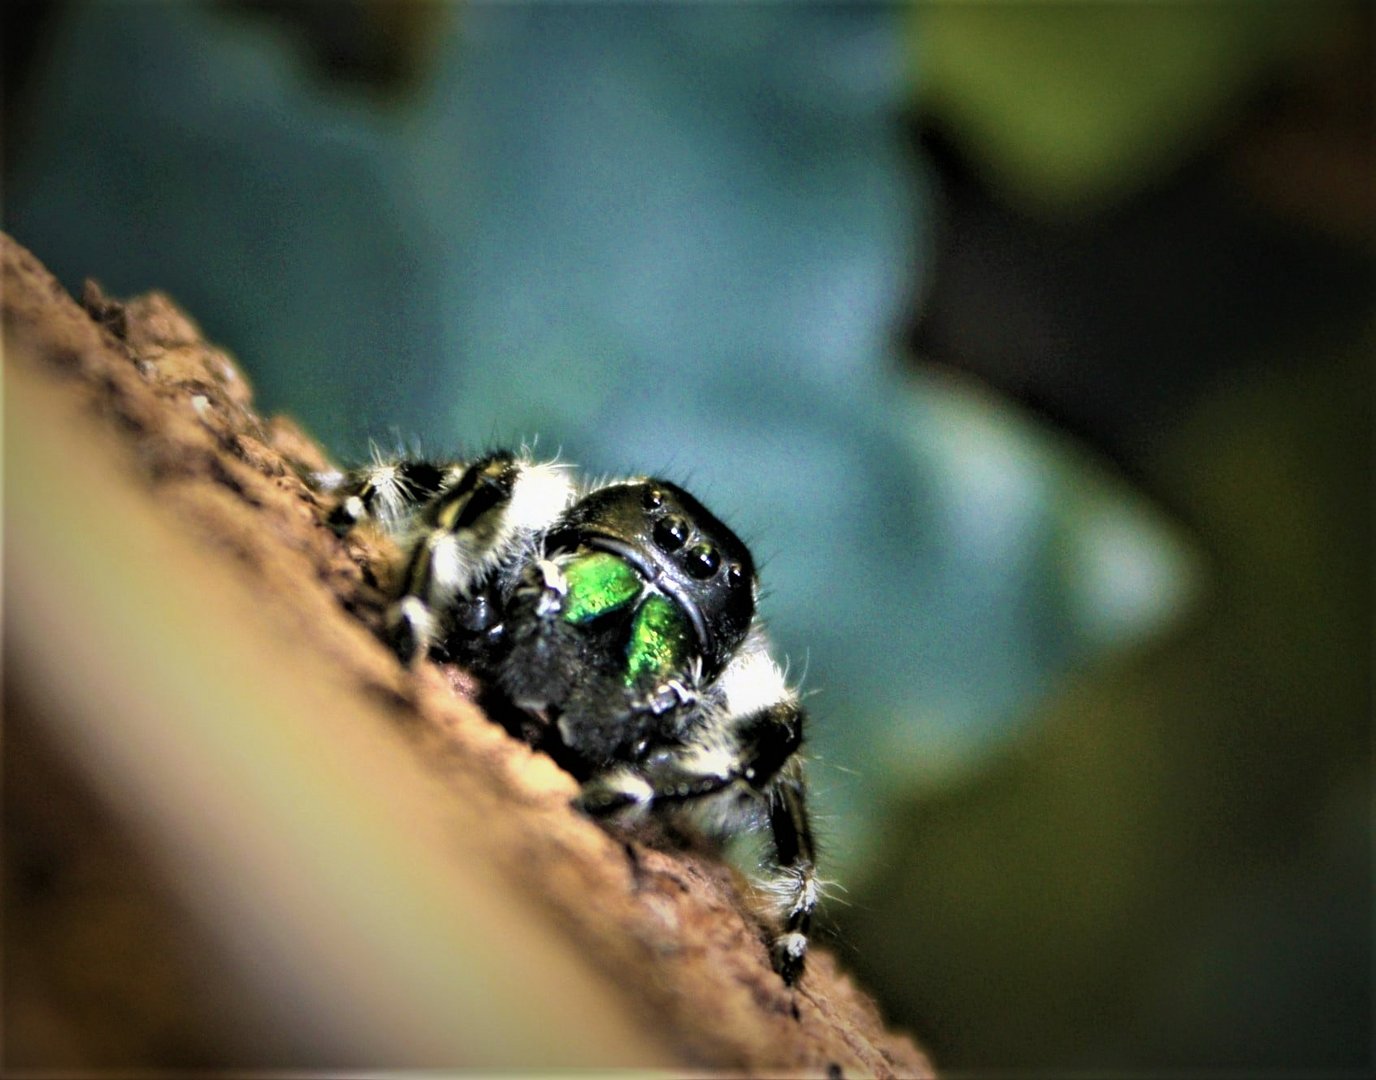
(1071, 105)
(1173, 869)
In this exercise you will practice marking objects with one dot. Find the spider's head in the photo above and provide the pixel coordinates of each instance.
(680, 548)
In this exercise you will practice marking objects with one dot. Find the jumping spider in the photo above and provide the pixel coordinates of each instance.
(616, 621)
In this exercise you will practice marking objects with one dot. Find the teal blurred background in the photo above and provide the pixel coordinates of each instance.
(1030, 346)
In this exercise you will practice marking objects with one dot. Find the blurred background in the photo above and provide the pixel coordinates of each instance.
(1030, 347)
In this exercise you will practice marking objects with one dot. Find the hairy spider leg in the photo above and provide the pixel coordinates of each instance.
(390, 493)
(747, 738)
(476, 530)
(795, 889)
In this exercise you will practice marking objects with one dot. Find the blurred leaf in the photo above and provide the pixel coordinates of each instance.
(1070, 106)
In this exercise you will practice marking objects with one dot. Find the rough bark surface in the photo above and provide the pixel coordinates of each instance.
(673, 928)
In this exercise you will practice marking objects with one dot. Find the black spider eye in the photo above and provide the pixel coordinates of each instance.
(652, 499)
(702, 561)
(735, 575)
(671, 533)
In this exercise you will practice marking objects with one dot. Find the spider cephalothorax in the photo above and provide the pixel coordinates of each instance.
(614, 626)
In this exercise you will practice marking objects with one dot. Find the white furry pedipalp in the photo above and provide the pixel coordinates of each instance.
(752, 681)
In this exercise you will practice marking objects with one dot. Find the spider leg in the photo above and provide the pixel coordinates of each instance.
(795, 887)
(389, 493)
(745, 743)
(473, 533)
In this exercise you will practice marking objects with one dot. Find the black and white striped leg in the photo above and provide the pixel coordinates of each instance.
(730, 754)
(795, 887)
(389, 494)
(475, 531)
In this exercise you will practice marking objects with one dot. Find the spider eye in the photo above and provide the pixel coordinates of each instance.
(652, 499)
(671, 533)
(702, 561)
(735, 575)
